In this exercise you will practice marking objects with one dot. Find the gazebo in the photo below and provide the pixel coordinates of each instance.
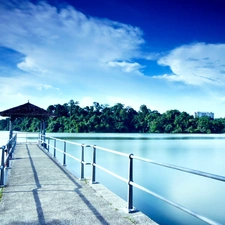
(25, 110)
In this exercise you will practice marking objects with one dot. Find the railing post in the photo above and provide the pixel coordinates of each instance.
(81, 163)
(44, 134)
(44, 141)
(54, 148)
(93, 165)
(14, 144)
(130, 207)
(64, 154)
(8, 148)
(48, 143)
(40, 138)
(40, 133)
(2, 167)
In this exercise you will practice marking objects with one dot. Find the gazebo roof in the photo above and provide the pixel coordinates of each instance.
(25, 110)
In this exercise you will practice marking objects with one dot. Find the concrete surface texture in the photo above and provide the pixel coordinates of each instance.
(40, 191)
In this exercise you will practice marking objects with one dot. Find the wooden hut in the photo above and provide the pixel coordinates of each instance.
(25, 110)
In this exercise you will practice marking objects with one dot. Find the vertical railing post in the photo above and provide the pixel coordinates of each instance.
(130, 207)
(82, 163)
(13, 145)
(93, 165)
(7, 152)
(54, 148)
(2, 167)
(43, 132)
(11, 149)
(40, 134)
(41, 139)
(64, 154)
(14, 142)
(48, 143)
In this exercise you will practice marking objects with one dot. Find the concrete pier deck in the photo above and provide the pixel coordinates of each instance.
(40, 191)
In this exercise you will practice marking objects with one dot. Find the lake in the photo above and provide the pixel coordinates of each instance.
(195, 151)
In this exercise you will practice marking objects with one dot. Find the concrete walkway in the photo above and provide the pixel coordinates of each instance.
(42, 192)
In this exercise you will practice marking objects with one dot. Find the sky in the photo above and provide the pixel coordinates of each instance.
(165, 54)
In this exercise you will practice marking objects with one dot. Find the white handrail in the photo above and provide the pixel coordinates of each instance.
(129, 181)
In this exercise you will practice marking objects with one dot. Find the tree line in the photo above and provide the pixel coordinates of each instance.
(70, 117)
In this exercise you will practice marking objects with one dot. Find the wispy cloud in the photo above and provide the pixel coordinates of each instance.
(196, 64)
(63, 48)
(52, 39)
(126, 66)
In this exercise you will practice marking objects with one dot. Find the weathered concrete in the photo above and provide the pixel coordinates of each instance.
(42, 192)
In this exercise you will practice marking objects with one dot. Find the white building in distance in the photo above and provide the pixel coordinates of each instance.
(200, 114)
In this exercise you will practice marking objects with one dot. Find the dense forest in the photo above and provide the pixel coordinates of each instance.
(70, 117)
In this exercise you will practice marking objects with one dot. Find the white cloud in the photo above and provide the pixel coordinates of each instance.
(196, 64)
(12, 85)
(66, 54)
(64, 39)
(45, 86)
(30, 66)
(126, 66)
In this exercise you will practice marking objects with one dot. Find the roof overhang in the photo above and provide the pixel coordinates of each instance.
(26, 110)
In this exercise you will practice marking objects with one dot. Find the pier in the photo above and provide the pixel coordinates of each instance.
(40, 191)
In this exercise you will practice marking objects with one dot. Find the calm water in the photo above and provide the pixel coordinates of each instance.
(21, 137)
(201, 152)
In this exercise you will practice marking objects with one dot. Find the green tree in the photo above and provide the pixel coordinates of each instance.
(4, 124)
(70, 117)
(204, 125)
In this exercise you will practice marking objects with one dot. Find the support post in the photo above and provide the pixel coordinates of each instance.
(10, 137)
(43, 132)
(48, 143)
(13, 145)
(2, 178)
(93, 165)
(8, 148)
(10, 128)
(81, 163)
(64, 154)
(130, 207)
(54, 148)
(40, 134)
(38, 138)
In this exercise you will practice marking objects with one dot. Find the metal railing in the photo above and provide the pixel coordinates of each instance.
(7, 151)
(44, 141)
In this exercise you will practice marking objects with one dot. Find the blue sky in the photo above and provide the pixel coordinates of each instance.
(166, 54)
